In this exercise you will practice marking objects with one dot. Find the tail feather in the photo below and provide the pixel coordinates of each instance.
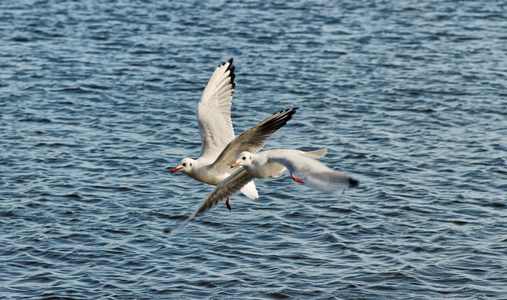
(315, 154)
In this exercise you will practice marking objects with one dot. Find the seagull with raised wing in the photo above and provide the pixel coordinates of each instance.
(219, 148)
(303, 167)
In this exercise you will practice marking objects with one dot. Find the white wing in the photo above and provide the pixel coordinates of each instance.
(214, 110)
(252, 140)
(250, 190)
(230, 186)
(312, 172)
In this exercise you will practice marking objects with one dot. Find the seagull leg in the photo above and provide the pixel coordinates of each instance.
(227, 203)
(296, 179)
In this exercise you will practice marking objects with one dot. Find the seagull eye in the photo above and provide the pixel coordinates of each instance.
(184, 164)
(243, 158)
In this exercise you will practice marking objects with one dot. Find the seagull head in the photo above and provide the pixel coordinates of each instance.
(185, 166)
(243, 159)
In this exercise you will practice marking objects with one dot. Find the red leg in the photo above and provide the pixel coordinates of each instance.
(296, 179)
(227, 203)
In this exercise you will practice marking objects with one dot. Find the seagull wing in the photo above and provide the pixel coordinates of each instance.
(253, 139)
(214, 110)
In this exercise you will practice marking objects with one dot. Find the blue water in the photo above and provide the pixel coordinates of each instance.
(97, 99)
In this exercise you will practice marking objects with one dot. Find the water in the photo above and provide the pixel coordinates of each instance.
(97, 99)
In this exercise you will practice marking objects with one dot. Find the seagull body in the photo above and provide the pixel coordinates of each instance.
(219, 148)
(303, 166)
(212, 168)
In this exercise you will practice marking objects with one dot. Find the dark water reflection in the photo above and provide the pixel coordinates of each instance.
(98, 98)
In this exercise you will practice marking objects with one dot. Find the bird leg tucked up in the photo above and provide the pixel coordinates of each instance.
(227, 203)
(296, 179)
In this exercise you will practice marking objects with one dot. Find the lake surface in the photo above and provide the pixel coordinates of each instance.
(97, 100)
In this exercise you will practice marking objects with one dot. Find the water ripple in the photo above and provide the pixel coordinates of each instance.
(98, 100)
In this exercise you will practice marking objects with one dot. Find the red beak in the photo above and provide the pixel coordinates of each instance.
(235, 165)
(175, 170)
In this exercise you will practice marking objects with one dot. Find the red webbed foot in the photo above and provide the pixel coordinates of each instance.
(227, 203)
(296, 179)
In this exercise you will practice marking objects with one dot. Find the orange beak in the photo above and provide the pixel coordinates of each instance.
(175, 170)
(234, 165)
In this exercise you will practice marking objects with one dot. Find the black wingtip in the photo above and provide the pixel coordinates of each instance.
(232, 74)
(278, 120)
(286, 114)
(291, 111)
(229, 61)
(353, 182)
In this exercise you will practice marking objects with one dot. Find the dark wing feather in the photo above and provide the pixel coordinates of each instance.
(253, 139)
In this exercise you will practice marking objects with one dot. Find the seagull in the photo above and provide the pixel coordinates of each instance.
(303, 167)
(219, 148)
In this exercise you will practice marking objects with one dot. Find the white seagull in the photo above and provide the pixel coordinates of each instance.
(303, 166)
(219, 148)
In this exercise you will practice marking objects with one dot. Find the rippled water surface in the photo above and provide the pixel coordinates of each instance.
(97, 99)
